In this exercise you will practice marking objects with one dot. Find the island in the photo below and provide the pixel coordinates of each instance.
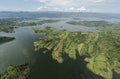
(102, 49)
(30, 23)
(9, 24)
(98, 24)
(4, 39)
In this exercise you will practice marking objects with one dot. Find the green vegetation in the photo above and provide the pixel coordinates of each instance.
(17, 72)
(6, 29)
(6, 39)
(99, 24)
(102, 48)
(8, 24)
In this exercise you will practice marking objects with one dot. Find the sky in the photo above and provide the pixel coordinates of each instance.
(102, 6)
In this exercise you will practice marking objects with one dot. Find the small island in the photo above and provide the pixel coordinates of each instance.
(4, 39)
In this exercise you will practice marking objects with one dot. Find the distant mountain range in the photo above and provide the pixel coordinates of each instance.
(8, 14)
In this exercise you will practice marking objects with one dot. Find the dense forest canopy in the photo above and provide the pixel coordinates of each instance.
(101, 48)
(17, 72)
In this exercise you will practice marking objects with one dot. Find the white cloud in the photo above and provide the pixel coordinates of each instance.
(71, 9)
(82, 9)
(41, 8)
(48, 9)
(44, 1)
(56, 2)
(100, 0)
(96, 0)
(67, 2)
(68, 5)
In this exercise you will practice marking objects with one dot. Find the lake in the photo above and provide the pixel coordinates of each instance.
(21, 50)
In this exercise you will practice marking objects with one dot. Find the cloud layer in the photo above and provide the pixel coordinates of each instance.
(104, 6)
(68, 5)
(71, 9)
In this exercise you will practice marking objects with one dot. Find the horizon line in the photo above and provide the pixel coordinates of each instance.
(63, 11)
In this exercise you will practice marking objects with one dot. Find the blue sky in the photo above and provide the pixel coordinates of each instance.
(109, 6)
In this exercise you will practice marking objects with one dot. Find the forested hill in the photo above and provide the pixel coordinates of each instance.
(101, 49)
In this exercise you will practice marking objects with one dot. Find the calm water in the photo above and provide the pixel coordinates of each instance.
(21, 50)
